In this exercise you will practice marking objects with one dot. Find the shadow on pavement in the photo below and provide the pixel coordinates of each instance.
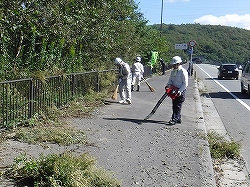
(139, 121)
(224, 95)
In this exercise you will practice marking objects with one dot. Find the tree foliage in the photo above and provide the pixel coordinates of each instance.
(71, 35)
(215, 43)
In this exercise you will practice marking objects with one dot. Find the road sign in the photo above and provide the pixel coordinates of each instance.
(181, 46)
(192, 43)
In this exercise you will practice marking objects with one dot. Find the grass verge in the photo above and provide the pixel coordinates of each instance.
(221, 148)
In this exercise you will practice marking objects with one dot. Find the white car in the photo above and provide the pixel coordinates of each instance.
(245, 79)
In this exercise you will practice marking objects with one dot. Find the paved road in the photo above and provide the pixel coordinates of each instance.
(152, 153)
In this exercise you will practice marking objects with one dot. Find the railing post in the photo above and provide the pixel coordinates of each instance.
(31, 99)
(73, 83)
(98, 82)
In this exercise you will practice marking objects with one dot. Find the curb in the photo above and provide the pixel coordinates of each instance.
(205, 157)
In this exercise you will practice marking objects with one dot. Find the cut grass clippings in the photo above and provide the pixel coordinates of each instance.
(65, 170)
(53, 127)
(61, 135)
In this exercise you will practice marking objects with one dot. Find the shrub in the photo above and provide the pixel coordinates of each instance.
(221, 148)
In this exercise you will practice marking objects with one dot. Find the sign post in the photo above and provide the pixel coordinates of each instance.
(191, 43)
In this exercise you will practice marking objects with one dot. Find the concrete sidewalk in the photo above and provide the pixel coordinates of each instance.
(151, 153)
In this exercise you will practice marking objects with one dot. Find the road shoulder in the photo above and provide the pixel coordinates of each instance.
(229, 172)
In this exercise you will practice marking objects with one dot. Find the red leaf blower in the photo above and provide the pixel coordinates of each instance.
(171, 91)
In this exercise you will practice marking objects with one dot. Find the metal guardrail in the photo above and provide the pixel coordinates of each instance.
(21, 99)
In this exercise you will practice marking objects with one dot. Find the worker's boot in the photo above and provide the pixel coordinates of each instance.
(132, 88)
(138, 88)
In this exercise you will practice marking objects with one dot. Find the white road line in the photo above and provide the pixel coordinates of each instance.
(236, 98)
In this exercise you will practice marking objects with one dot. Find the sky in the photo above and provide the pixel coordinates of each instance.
(234, 13)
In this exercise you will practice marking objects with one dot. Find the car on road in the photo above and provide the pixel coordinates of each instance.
(245, 79)
(228, 71)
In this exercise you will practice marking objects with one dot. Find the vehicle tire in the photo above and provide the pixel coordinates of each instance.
(248, 91)
(236, 78)
(243, 91)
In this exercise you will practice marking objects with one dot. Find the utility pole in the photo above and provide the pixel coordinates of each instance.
(161, 16)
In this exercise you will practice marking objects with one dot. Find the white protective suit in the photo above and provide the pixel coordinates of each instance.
(124, 79)
(137, 73)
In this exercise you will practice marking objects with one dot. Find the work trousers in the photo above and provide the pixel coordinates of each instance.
(136, 80)
(177, 105)
(125, 89)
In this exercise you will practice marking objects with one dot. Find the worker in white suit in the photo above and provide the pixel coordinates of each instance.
(124, 80)
(137, 74)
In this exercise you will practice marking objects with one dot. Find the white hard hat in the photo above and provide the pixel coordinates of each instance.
(176, 60)
(118, 60)
(138, 59)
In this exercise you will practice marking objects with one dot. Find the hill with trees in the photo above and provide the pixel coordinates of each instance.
(49, 37)
(216, 44)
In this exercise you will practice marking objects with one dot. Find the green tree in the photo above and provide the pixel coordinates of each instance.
(71, 35)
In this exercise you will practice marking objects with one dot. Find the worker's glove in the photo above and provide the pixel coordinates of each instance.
(119, 80)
